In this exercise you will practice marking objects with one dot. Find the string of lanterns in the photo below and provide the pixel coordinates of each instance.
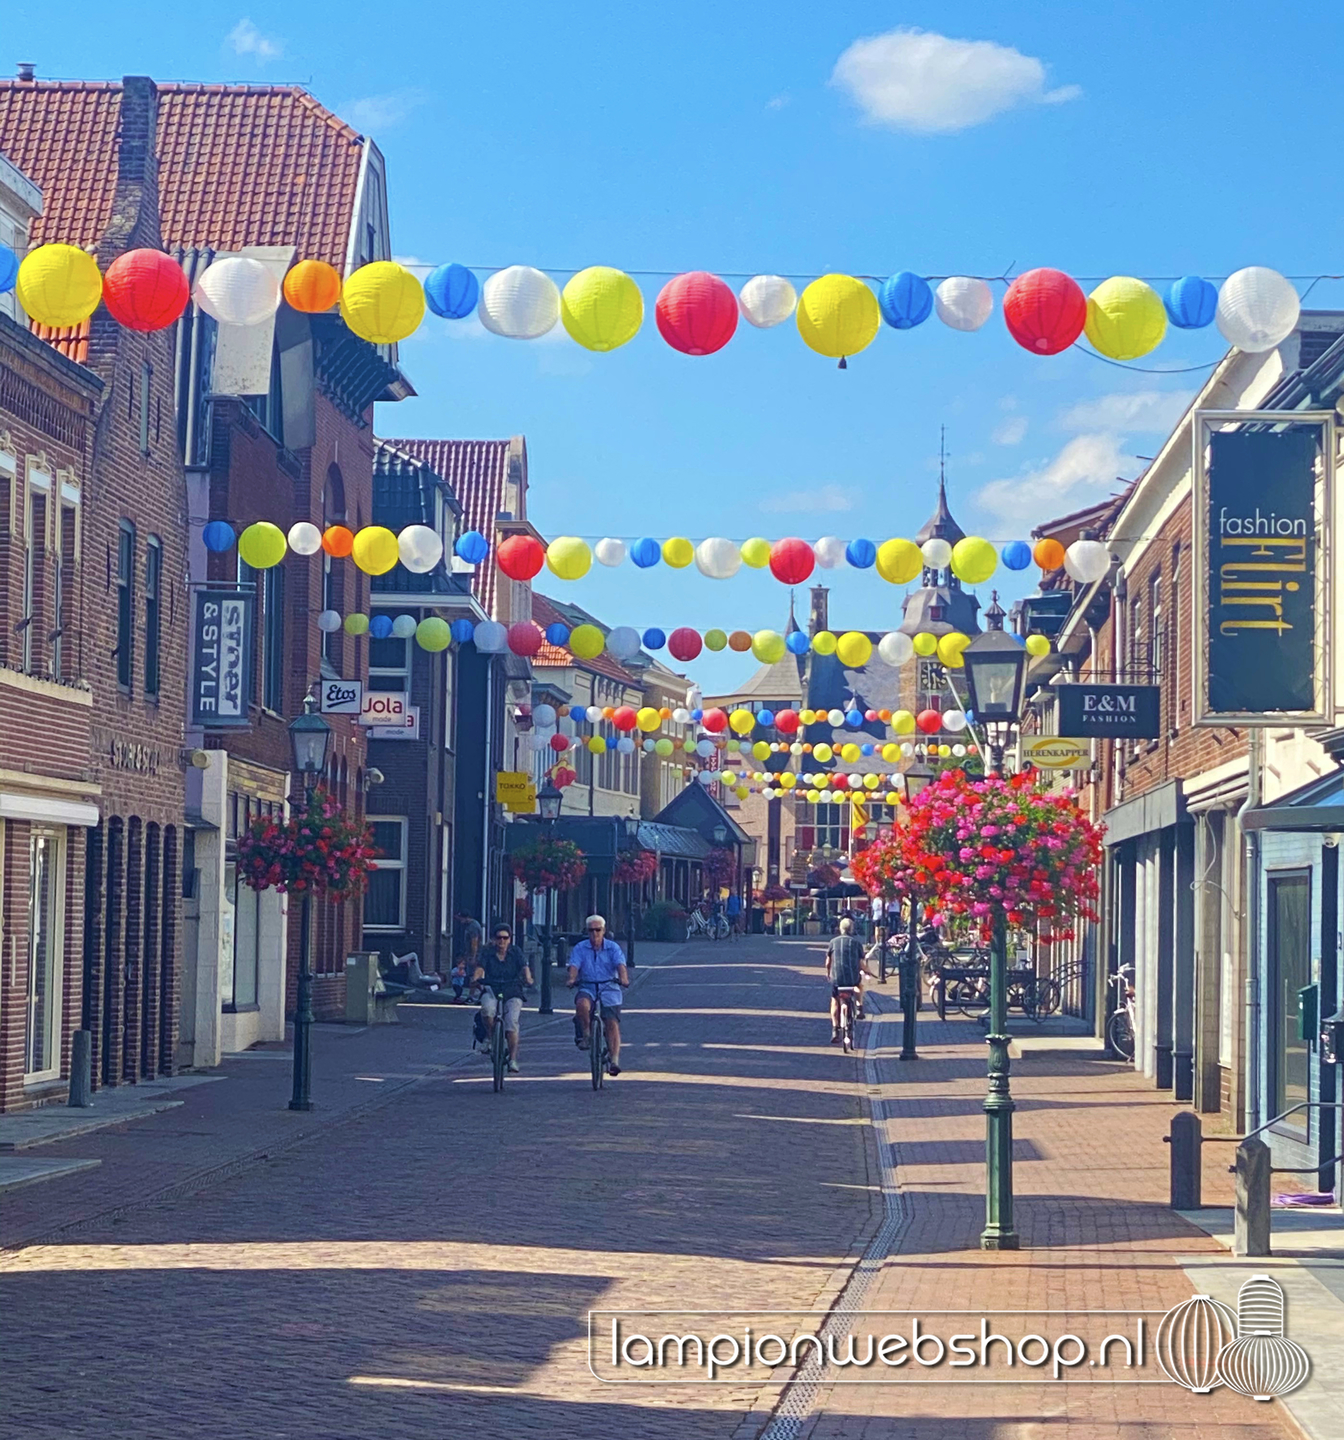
(696, 313)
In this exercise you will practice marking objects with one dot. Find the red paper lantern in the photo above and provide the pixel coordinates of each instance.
(145, 290)
(624, 718)
(714, 720)
(870, 715)
(786, 721)
(684, 643)
(696, 313)
(791, 561)
(525, 638)
(520, 557)
(839, 782)
(1045, 311)
(559, 743)
(929, 721)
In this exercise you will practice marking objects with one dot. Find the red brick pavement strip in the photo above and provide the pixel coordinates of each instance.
(1091, 1186)
(427, 1265)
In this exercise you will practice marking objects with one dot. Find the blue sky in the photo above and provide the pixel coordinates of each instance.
(1138, 139)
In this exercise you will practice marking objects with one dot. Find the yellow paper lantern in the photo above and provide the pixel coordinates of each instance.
(813, 797)
(944, 751)
(678, 552)
(433, 633)
(891, 752)
(925, 644)
(383, 302)
(375, 550)
(755, 552)
(262, 545)
(822, 753)
(602, 308)
(597, 745)
(715, 639)
(871, 782)
(760, 751)
(59, 285)
(893, 797)
(787, 780)
(950, 649)
(648, 719)
(1125, 318)
(586, 642)
(742, 792)
(903, 723)
(850, 753)
(807, 717)
(1038, 645)
(974, 560)
(853, 649)
(838, 316)
(899, 561)
(356, 624)
(568, 557)
(768, 646)
(742, 722)
(823, 643)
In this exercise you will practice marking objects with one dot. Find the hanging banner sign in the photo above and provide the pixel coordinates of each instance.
(515, 788)
(1110, 712)
(1263, 542)
(221, 658)
(342, 697)
(1054, 752)
(383, 707)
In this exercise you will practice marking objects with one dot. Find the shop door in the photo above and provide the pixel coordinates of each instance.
(1289, 926)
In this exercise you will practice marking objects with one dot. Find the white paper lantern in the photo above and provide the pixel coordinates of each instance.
(704, 748)
(718, 558)
(237, 291)
(767, 300)
(707, 778)
(830, 552)
(796, 748)
(835, 717)
(770, 792)
(625, 746)
(538, 741)
(855, 781)
(681, 715)
(623, 642)
(519, 303)
(954, 720)
(907, 749)
(937, 553)
(404, 626)
(1087, 561)
(420, 548)
(958, 750)
(609, 551)
(491, 637)
(543, 715)
(895, 648)
(963, 303)
(304, 538)
(593, 714)
(1257, 309)
(329, 622)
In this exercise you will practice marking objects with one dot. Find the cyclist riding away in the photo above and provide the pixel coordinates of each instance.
(845, 967)
(505, 971)
(598, 964)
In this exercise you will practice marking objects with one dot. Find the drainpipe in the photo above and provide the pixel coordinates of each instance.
(488, 788)
(1251, 940)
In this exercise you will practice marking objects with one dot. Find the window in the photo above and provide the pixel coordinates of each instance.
(449, 710)
(273, 640)
(125, 651)
(385, 899)
(268, 408)
(390, 665)
(241, 994)
(146, 378)
(66, 560)
(445, 877)
(1173, 685)
(1155, 645)
(153, 611)
(1134, 649)
(42, 1049)
(1289, 924)
(34, 619)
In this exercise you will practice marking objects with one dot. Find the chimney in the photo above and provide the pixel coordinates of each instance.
(27, 72)
(820, 616)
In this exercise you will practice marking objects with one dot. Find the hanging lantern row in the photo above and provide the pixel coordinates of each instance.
(973, 559)
(696, 313)
(373, 548)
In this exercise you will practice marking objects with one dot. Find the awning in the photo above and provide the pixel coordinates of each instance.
(1146, 814)
(1317, 806)
(47, 809)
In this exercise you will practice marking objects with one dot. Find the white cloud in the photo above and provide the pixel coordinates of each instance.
(917, 80)
(1011, 431)
(803, 502)
(381, 112)
(1141, 411)
(246, 39)
(1083, 472)
(778, 102)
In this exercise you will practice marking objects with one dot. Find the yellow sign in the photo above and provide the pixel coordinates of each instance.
(516, 791)
(1053, 752)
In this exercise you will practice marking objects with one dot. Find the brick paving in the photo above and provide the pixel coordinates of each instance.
(418, 1257)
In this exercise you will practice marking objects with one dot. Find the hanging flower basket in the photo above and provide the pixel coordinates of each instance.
(319, 850)
(719, 866)
(547, 864)
(824, 876)
(633, 867)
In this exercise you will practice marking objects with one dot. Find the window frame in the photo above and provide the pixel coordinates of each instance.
(125, 582)
(272, 588)
(153, 668)
(55, 838)
(399, 864)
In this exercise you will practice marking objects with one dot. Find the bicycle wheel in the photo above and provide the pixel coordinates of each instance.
(596, 1045)
(1120, 1035)
(972, 998)
(499, 1050)
(1048, 996)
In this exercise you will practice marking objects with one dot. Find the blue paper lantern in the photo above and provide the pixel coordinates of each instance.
(9, 268)
(905, 300)
(765, 717)
(380, 627)
(861, 554)
(866, 750)
(646, 552)
(797, 642)
(654, 638)
(557, 633)
(462, 630)
(219, 537)
(578, 712)
(1016, 555)
(697, 715)
(452, 291)
(853, 718)
(472, 547)
(1191, 302)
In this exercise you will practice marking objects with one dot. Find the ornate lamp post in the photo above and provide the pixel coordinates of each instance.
(917, 776)
(309, 739)
(549, 800)
(996, 665)
(631, 824)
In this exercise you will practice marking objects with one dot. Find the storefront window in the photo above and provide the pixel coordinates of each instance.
(42, 1054)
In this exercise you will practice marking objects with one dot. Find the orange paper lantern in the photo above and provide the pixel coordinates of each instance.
(338, 541)
(312, 286)
(740, 640)
(1048, 554)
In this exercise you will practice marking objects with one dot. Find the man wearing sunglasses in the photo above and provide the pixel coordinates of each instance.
(597, 965)
(505, 972)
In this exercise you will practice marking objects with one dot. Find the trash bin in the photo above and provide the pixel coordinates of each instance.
(361, 977)
(757, 920)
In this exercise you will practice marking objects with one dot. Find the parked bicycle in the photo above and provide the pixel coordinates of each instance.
(712, 927)
(1120, 1027)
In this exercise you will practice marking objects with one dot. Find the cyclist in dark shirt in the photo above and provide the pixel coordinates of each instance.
(505, 972)
(845, 970)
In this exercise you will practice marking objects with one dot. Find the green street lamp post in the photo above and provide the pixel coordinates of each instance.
(916, 778)
(309, 738)
(995, 676)
(549, 800)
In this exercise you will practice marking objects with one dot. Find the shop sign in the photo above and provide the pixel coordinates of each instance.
(341, 697)
(221, 658)
(406, 728)
(516, 791)
(383, 707)
(1054, 752)
(1110, 712)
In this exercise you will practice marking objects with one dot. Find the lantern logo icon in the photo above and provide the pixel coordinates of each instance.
(1189, 1340)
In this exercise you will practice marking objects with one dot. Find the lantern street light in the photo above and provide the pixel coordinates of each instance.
(917, 776)
(996, 665)
(631, 824)
(549, 799)
(309, 739)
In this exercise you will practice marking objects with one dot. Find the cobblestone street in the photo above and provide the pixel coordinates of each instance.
(420, 1261)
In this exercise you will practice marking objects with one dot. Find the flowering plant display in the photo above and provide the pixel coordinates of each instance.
(633, 867)
(774, 891)
(824, 876)
(548, 864)
(719, 866)
(319, 851)
(973, 851)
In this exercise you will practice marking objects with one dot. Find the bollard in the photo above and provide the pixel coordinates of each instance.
(1253, 1184)
(81, 1071)
(1186, 1140)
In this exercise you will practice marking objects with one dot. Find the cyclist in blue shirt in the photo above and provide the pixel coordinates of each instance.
(593, 963)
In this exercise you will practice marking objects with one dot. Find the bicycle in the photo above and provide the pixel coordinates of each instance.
(847, 995)
(599, 1054)
(1120, 1026)
(715, 927)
